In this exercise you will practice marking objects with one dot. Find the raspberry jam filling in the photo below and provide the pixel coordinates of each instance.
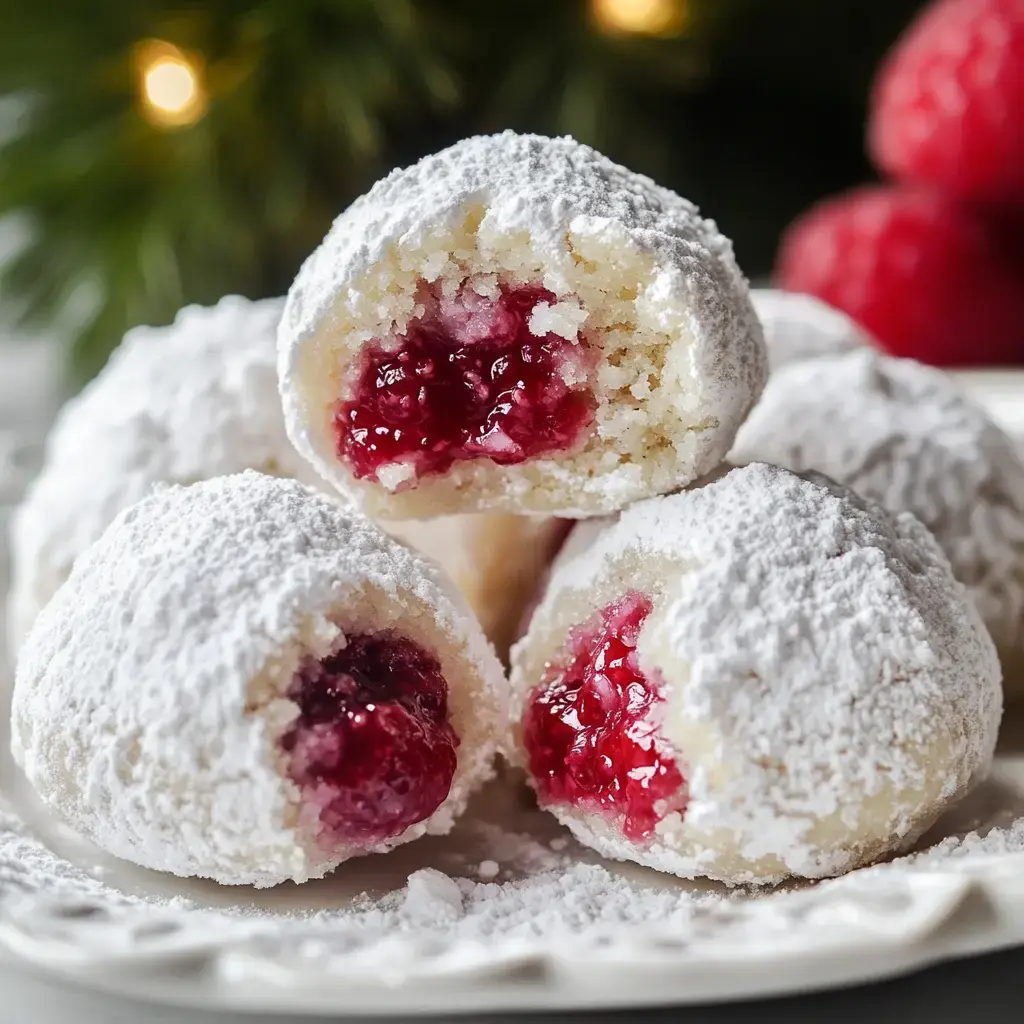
(371, 750)
(588, 739)
(469, 380)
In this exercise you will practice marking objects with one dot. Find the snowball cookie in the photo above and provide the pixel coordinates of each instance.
(497, 561)
(903, 434)
(242, 681)
(800, 326)
(761, 678)
(574, 538)
(174, 404)
(517, 325)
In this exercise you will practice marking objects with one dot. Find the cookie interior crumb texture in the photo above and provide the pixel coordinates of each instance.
(653, 352)
(803, 671)
(244, 682)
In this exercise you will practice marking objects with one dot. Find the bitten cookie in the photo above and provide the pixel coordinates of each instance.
(517, 324)
(904, 435)
(174, 404)
(798, 326)
(243, 682)
(757, 679)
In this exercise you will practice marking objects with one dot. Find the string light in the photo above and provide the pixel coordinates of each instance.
(171, 86)
(641, 17)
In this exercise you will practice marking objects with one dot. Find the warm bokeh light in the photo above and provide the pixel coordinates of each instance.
(171, 85)
(641, 17)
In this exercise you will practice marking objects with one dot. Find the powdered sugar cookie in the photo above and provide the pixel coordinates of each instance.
(196, 400)
(242, 681)
(496, 561)
(174, 404)
(798, 326)
(517, 324)
(904, 435)
(756, 679)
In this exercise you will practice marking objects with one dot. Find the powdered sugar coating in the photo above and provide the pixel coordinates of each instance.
(904, 435)
(174, 404)
(149, 694)
(798, 326)
(653, 286)
(828, 688)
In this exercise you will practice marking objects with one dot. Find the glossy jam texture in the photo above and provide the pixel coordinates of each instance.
(469, 380)
(372, 750)
(588, 737)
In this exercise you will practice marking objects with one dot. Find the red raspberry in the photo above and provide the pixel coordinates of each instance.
(920, 272)
(948, 108)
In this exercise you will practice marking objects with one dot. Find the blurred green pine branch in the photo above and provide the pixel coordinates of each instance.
(311, 100)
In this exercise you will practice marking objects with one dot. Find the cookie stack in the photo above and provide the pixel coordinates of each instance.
(263, 600)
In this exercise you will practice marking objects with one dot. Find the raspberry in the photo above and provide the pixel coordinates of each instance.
(948, 106)
(371, 750)
(587, 731)
(470, 380)
(921, 273)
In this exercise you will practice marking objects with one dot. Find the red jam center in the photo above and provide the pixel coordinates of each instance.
(469, 381)
(371, 750)
(586, 729)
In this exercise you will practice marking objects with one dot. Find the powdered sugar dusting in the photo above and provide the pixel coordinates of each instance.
(800, 326)
(996, 842)
(151, 692)
(175, 404)
(577, 899)
(651, 287)
(546, 187)
(828, 687)
(559, 896)
(904, 435)
(547, 902)
(27, 866)
(488, 870)
(431, 898)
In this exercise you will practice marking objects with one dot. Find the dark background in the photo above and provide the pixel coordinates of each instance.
(752, 108)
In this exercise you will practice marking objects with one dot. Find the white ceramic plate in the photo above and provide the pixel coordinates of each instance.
(323, 948)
